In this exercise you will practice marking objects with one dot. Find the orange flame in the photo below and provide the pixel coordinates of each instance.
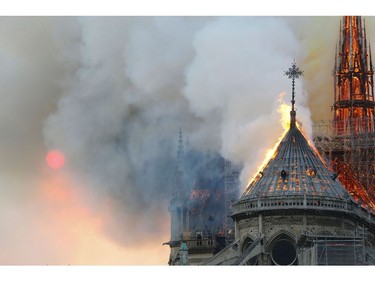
(284, 110)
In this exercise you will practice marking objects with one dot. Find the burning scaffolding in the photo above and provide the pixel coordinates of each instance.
(348, 141)
(352, 156)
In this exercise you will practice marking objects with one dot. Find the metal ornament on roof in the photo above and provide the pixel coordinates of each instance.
(293, 73)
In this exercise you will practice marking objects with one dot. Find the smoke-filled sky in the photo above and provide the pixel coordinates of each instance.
(111, 93)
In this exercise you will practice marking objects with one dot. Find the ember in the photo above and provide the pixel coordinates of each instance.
(199, 194)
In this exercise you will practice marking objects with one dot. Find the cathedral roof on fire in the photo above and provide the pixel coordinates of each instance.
(296, 176)
(296, 168)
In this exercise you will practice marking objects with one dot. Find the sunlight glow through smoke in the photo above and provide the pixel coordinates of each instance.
(55, 159)
(77, 234)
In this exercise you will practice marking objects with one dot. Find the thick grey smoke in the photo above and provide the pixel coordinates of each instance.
(112, 92)
(233, 84)
(118, 122)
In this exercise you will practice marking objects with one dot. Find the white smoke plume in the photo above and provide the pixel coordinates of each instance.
(111, 93)
(233, 84)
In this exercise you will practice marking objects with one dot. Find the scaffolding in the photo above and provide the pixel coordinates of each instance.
(334, 250)
(349, 146)
(340, 252)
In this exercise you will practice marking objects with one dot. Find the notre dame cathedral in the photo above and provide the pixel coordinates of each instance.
(298, 210)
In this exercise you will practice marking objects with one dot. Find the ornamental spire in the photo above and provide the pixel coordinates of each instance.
(293, 73)
(179, 181)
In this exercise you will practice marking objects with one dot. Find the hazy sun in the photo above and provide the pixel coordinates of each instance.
(55, 159)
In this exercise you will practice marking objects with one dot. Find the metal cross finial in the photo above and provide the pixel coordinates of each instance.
(293, 73)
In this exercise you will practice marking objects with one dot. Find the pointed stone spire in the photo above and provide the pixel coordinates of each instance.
(371, 68)
(340, 37)
(180, 149)
(293, 73)
(180, 164)
(335, 59)
(365, 54)
(177, 206)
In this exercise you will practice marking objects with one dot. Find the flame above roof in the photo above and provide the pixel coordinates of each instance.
(296, 169)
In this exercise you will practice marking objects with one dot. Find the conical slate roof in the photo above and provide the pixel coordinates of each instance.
(296, 169)
(295, 177)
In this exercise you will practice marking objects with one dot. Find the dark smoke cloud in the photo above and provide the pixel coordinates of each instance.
(119, 121)
(112, 92)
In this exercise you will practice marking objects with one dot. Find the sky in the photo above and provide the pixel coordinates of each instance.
(110, 94)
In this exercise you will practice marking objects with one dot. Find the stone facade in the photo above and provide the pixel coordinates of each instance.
(289, 226)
